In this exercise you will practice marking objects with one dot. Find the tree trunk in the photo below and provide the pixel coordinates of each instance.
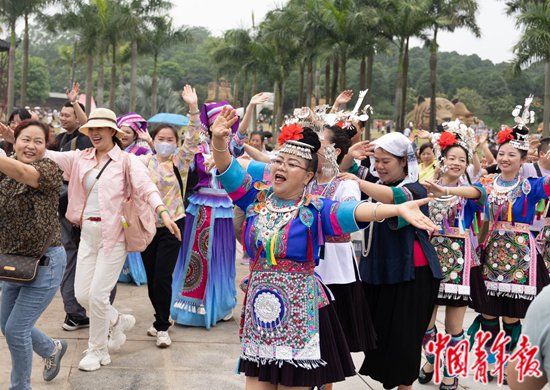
(236, 89)
(100, 81)
(546, 114)
(343, 62)
(317, 87)
(328, 98)
(405, 84)
(244, 103)
(89, 83)
(309, 91)
(433, 80)
(300, 102)
(279, 118)
(25, 63)
(112, 87)
(154, 86)
(133, 76)
(11, 70)
(363, 73)
(368, 98)
(253, 92)
(334, 89)
(399, 87)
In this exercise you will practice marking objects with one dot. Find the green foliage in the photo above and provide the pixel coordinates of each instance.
(172, 71)
(38, 86)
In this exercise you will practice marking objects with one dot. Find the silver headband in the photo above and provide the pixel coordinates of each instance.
(297, 148)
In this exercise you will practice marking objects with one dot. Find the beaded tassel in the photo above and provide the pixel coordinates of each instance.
(476, 224)
(309, 246)
(524, 213)
(509, 211)
(271, 250)
(320, 235)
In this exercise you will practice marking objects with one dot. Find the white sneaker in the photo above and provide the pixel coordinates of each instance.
(163, 339)
(94, 359)
(152, 331)
(229, 316)
(117, 337)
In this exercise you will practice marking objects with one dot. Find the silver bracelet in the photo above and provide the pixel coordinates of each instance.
(374, 213)
(219, 150)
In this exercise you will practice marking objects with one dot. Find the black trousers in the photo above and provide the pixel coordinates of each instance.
(159, 259)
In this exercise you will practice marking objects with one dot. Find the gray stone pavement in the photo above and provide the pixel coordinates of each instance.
(197, 359)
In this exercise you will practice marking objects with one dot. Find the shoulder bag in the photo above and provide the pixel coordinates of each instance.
(138, 218)
(22, 269)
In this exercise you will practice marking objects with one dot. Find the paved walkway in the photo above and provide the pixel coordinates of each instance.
(198, 358)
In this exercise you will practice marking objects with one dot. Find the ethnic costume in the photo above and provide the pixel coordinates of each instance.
(290, 333)
(512, 271)
(400, 273)
(339, 271)
(203, 288)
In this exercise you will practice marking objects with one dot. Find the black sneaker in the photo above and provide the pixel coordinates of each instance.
(72, 324)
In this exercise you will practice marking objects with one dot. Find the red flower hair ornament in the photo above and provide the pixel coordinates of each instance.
(290, 132)
(447, 139)
(504, 136)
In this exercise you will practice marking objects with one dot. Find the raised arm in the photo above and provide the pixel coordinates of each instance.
(72, 95)
(342, 99)
(221, 130)
(378, 192)
(360, 151)
(250, 111)
(256, 154)
(21, 172)
(467, 192)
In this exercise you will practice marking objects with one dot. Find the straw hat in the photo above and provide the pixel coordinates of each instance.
(102, 117)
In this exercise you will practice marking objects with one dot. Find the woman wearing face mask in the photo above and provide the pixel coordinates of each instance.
(454, 243)
(401, 280)
(290, 334)
(512, 270)
(168, 169)
(95, 203)
(29, 196)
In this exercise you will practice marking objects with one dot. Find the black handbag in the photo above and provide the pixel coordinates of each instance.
(22, 269)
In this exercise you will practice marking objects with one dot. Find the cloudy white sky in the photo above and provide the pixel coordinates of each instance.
(498, 31)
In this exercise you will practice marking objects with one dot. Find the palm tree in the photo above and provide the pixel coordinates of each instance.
(534, 45)
(84, 19)
(448, 15)
(159, 35)
(403, 19)
(11, 10)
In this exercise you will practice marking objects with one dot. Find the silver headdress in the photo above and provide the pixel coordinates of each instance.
(297, 148)
(522, 119)
(330, 166)
(464, 135)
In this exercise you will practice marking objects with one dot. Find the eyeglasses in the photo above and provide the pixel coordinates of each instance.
(279, 162)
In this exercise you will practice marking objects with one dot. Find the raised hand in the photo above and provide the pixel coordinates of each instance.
(72, 94)
(410, 211)
(7, 133)
(361, 150)
(348, 176)
(259, 98)
(222, 125)
(189, 95)
(344, 97)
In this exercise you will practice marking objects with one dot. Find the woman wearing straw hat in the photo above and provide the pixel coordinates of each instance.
(95, 203)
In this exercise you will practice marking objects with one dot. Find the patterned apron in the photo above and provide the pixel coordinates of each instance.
(510, 267)
(281, 314)
(454, 250)
(543, 240)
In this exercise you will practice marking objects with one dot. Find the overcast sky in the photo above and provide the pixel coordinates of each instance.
(498, 32)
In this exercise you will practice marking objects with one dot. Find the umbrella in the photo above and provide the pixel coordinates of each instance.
(171, 119)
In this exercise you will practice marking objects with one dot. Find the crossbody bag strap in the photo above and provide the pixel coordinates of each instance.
(537, 168)
(92, 187)
(180, 181)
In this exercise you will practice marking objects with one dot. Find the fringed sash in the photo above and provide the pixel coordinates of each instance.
(197, 265)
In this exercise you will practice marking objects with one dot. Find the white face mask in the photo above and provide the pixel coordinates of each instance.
(165, 149)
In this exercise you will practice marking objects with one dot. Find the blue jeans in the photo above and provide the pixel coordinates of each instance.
(22, 305)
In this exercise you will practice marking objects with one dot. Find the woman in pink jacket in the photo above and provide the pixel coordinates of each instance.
(96, 191)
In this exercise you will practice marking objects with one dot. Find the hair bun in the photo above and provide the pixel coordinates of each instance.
(351, 131)
(311, 138)
(523, 130)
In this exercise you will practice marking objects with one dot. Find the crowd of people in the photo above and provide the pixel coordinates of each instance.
(470, 218)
